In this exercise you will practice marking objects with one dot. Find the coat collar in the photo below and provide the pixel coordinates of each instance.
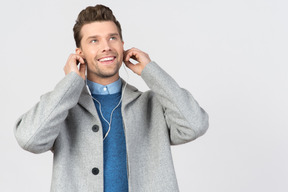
(130, 94)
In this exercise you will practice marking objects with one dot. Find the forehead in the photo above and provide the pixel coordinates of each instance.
(98, 28)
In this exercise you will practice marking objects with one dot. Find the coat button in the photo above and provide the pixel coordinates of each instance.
(95, 128)
(95, 171)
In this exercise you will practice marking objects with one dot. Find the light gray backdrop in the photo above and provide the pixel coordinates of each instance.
(231, 55)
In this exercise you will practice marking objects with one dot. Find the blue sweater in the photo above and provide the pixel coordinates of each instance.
(115, 163)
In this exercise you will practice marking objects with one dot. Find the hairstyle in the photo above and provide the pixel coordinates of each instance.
(92, 14)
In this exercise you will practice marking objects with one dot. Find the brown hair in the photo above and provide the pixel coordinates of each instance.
(92, 14)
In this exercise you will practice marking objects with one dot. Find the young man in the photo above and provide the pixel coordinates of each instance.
(108, 136)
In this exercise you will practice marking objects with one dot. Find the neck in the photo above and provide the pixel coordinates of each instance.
(103, 81)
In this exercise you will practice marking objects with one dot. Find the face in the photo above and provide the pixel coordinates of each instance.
(102, 48)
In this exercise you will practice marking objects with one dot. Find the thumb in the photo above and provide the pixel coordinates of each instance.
(82, 70)
(133, 67)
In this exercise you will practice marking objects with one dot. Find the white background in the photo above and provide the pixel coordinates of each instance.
(231, 55)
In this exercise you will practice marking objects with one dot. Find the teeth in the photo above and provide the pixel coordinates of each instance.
(107, 59)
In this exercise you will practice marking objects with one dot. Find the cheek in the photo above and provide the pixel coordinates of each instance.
(121, 51)
(90, 54)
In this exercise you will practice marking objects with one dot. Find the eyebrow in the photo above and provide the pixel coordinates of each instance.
(96, 36)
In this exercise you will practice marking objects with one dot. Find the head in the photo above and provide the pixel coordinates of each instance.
(92, 14)
(99, 41)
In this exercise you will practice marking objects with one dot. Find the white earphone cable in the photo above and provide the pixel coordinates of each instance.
(111, 115)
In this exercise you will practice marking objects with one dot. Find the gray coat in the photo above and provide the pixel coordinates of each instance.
(66, 122)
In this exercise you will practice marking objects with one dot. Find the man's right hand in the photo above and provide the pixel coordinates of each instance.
(72, 65)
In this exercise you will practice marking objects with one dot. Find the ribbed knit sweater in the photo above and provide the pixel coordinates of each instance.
(115, 163)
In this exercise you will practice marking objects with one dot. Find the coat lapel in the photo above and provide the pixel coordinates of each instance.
(130, 94)
(86, 101)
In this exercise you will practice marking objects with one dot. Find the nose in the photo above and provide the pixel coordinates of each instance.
(106, 46)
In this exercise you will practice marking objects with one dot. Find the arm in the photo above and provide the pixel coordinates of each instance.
(37, 129)
(185, 119)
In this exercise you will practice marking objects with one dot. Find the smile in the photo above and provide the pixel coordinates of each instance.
(105, 59)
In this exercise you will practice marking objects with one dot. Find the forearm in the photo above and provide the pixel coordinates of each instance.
(184, 117)
(37, 129)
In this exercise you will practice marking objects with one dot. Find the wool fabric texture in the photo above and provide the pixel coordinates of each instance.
(63, 120)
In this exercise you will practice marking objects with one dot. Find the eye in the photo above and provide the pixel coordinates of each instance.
(113, 38)
(93, 41)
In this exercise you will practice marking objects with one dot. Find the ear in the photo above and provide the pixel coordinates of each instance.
(79, 51)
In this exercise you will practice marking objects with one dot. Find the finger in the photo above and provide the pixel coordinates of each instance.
(72, 62)
(132, 54)
(130, 65)
(137, 55)
(126, 55)
(135, 68)
(79, 59)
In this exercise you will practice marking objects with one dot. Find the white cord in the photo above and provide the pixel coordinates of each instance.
(109, 123)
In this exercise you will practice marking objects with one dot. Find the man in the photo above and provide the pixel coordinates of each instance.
(108, 136)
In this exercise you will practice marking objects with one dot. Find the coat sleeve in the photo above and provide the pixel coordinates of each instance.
(185, 119)
(38, 128)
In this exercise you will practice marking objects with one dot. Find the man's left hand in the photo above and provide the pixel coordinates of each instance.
(142, 58)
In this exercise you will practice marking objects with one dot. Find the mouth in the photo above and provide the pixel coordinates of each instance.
(107, 60)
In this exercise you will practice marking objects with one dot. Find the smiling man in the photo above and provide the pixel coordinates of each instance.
(104, 133)
(102, 47)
